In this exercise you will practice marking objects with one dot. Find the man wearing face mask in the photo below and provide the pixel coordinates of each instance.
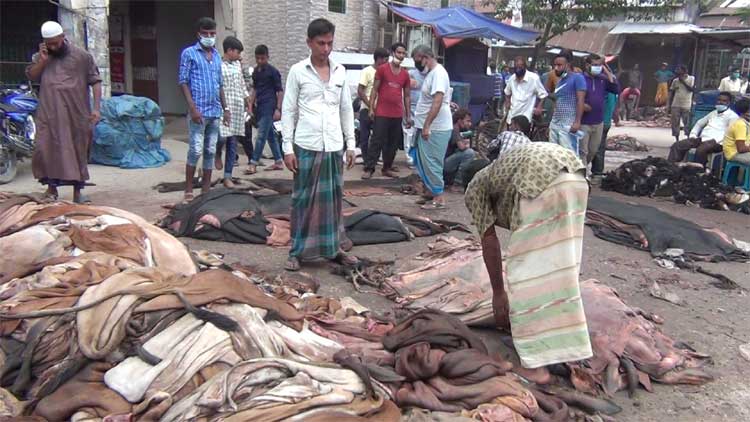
(524, 93)
(64, 117)
(599, 82)
(201, 83)
(390, 105)
(733, 83)
(570, 93)
(707, 134)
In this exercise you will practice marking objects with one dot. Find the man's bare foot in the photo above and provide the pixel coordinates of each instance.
(228, 183)
(51, 193)
(218, 164)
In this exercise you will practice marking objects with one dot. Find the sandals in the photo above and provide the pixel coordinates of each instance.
(188, 197)
(252, 169)
(292, 264)
(433, 205)
(82, 199)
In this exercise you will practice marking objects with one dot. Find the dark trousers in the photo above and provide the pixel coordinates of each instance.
(247, 141)
(679, 149)
(597, 164)
(365, 126)
(231, 143)
(386, 137)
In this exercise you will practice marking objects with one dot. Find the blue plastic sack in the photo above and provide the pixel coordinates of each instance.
(129, 134)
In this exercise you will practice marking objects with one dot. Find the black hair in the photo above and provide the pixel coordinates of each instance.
(472, 169)
(395, 46)
(682, 68)
(726, 94)
(232, 43)
(460, 114)
(565, 54)
(206, 23)
(742, 106)
(261, 50)
(523, 123)
(591, 57)
(320, 27)
(380, 53)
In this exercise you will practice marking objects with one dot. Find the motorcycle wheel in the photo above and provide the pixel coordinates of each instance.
(8, 166)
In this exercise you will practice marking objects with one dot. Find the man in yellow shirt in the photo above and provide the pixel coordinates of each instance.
(737, 139)
(366, 82)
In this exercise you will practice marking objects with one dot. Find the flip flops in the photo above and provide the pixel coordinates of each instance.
(433, 205)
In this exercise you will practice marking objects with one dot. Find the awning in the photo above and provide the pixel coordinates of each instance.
(460, 22)
(590, 39)
(724, 22)
(654, 28)
(738, 36)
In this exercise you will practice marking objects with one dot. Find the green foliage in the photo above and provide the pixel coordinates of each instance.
(553, 17)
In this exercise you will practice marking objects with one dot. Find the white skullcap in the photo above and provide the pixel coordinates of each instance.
(51, 29)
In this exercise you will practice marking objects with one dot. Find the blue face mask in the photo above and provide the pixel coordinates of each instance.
(721, 108)
(735, 76)
(596, 70)
(208, 42)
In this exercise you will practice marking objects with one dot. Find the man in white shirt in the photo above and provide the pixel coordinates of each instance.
(707, 134)
(318, 125)
(733, 83)
(434, 124)
(524, 93)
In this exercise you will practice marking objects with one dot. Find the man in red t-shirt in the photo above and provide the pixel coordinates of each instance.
(391, 102)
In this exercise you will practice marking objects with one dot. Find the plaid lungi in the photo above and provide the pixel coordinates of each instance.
(542, 262)
(317, 201)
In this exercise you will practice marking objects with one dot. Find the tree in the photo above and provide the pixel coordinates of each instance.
(554, 17)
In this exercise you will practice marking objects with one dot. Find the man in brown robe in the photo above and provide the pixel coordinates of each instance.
(64, 118)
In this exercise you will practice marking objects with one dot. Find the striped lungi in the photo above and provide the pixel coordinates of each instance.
(317, 227)
(542, 263)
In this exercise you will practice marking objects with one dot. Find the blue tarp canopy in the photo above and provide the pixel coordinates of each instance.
(460, 22)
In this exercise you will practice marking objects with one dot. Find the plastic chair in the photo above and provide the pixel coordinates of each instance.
(728, 173)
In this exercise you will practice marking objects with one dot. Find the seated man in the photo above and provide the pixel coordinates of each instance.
(737, 140)
(517, 134)
(455, 163)
(461, 124)
(707, 134)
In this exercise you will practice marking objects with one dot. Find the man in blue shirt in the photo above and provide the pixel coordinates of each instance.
(265, 103)
(570, 93)
(201, 83)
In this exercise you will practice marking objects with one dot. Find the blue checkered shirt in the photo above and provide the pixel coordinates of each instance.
(203, 78)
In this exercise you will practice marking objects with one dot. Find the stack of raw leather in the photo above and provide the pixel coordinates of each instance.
(447, 368)
(104, 316)
(686, 183)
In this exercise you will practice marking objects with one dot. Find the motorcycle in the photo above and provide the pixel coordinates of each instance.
(17, 128)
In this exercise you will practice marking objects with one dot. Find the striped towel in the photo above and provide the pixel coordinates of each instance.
(543, 262)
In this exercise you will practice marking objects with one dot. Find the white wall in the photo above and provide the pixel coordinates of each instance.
(176, 30)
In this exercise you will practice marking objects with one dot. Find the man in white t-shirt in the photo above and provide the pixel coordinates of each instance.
(524, 93)
(434, 124)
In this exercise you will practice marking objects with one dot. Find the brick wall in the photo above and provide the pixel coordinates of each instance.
(356, 30)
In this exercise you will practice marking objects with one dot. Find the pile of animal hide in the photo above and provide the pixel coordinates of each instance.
(241, 217)
(650, 117)
(667, 237)
(105, 317)
(686, 183)
(624, 143)
(629, 349)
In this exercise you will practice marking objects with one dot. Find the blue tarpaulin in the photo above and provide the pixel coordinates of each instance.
(460, 22)
(129, 134)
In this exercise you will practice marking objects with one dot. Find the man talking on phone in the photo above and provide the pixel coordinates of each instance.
(64, 118)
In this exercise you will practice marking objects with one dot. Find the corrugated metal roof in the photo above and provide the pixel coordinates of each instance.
(723, 22)
(591, 39)
(654, 28)
(736, 3)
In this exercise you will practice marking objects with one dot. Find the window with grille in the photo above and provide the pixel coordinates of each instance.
(337, 6)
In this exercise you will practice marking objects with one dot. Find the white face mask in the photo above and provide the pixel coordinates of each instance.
(208, 42)
(596, 70)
